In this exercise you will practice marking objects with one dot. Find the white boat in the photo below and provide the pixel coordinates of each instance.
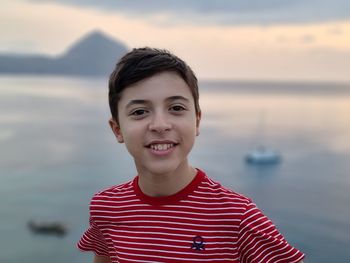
(263, 155)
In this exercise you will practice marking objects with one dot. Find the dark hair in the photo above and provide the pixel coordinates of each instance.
(142, 63)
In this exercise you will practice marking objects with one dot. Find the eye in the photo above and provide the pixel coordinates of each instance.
(177, 108)
(138, 113)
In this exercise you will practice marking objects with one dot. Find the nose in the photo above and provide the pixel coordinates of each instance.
(160, 123)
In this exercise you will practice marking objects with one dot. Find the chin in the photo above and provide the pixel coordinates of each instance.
(162, 168)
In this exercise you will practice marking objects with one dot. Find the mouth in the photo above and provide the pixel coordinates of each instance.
(161, 146)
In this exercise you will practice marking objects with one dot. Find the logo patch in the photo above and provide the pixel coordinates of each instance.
(198, 243)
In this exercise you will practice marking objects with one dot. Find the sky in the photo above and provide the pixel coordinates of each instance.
(298, 40)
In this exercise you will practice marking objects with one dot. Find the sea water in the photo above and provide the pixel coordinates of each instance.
(56, 150)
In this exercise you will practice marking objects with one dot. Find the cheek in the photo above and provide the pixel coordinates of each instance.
(133, 137)
(133, 145)
(190, 134)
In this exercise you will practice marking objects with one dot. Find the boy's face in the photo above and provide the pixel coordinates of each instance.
(157, 123)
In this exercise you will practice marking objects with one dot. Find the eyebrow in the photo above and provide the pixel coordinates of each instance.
(133, 102)
(177, 98)
(139, 101)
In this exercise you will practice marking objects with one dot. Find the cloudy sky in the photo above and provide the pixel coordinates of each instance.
(222, 39)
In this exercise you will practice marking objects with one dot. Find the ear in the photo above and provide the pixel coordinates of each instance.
(198, 120)
(116, 130)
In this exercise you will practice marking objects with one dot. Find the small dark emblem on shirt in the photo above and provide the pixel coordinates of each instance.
(198, 243)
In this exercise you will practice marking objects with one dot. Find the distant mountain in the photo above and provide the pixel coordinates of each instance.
(93, 54)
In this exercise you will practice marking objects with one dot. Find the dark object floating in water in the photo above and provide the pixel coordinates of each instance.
(262, 155)
(47, 228)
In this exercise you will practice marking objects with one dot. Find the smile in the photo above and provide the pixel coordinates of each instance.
(162, 146)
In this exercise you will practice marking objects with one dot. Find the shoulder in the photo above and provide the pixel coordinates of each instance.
(107, 202)
(214, 190)
(116, 191)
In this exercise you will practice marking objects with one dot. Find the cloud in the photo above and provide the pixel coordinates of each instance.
(223, 11)
(335, 31)
(307, 39)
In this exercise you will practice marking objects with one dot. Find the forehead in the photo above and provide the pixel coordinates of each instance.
(157, 87)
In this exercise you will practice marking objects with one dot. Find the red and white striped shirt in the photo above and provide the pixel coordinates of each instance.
(204, 222)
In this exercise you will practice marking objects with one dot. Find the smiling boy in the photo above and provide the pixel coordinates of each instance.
(171, 212)
(158, 124)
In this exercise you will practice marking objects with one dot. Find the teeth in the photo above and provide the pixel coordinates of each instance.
(162, 147)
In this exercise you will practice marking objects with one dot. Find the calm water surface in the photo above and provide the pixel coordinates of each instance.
(56, 150)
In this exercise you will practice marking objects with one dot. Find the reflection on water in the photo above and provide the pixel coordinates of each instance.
(56, 150)
(282, 115)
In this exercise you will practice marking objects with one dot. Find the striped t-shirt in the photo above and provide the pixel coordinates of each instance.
(204, 222)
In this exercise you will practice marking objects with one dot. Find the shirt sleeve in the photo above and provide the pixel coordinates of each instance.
(93, 240)
(260, 242)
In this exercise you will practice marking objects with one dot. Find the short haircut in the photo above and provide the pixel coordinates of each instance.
(142, 63)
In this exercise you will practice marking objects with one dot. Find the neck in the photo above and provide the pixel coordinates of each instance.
(166, 184)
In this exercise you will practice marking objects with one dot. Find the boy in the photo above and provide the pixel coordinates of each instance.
(171, 212)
